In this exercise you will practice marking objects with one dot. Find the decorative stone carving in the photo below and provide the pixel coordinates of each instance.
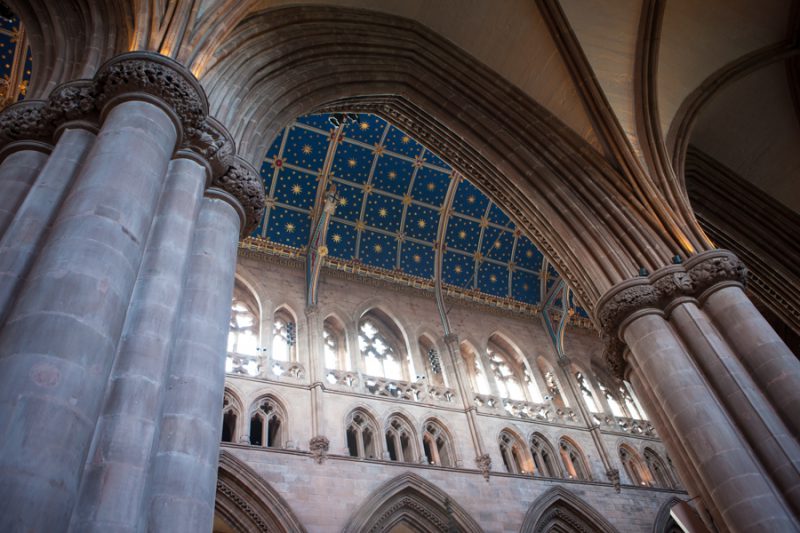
(613, 476)
(244, 184)
(213, 142)
(319, 446)
(657, 291)
(26, 121)
(157, 76)
(72, 101)
(484, 463)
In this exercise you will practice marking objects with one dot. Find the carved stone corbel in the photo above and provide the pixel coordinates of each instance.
(319, 446)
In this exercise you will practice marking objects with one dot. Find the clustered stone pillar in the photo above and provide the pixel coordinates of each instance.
(108, 253)
(704, 360)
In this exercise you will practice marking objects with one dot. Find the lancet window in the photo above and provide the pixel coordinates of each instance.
(284, 336)
(437, 445)
(586, 392)
(474, 367)
(573, 460)
(544, 459)
(660, 473)
(633, 466)
(616, 410)
(554, 391)
(508, 383)
(433, 361)
(267, 424)
(631, 402)
(400, 440)
(382, 348)
(243, 329)
(334, 345)
(230, 417)
(512, 451)
(361, 433)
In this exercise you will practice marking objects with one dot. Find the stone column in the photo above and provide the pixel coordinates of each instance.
(319, 444)
(772, 365)
(23, 158)
(25, 233)
(702, 396)
(58, 344)
(184, 464)
(112, 491)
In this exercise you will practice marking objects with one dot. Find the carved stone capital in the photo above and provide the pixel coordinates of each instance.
(319, 446)
(613, 476)
(243, 183)
(26, 120)
(484, 463)
(76, 100)
(166, 81)
(657, 291)
(213, 143)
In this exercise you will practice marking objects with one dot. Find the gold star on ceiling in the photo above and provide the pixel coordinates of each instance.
(360, 225)
(364, 126)
(406, 199)
(421, 223)
(378, 248)
(378, 150)
(525, 286)
(462, 234)
(343, 201)
(296, 189)
(484, 222)
(336, 237)
(416, 258)
(392, 175)
(368, 188)
(497, 244)
(351, 162)
(289, 227)
(471, 199)
(382, 212)
(492, 278)
(529, 253)
(431, 186)
(307, 149)
(457, 269)
(405, 139)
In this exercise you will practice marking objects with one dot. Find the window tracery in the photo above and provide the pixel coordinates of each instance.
(613, 404)
(661, 475)
(512, 451)
(284, 336)
(433, 361)
(633, 466)
(382, 349)
(544, 459)
(508, 384)
(632, 402)
(334, 345)
(436, 445)
(586, 392)
(399, 440)
(573, 460)
(243, 330)
(230, 416)
(361, 434)
(267, 423)
(553, 386)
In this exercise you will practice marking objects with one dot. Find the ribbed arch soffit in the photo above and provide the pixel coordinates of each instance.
(563, 194)
(248, 503)
(410, 499)
(560, 510)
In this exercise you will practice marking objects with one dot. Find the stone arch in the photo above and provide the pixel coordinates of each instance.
(664, 522)
(558, 510)
(247, 503)
(270, 412)
(525, 152)
(452, 458)
(395, 335)
(411, 500)
(232, 415)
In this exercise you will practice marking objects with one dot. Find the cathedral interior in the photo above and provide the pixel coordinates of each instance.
(402, 266)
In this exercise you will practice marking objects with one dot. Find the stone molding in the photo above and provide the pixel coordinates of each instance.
(243, 183)
(559, 507)
(658, 292)
(26, 121)
(130, 75)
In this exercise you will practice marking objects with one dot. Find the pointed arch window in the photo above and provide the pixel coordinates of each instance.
(554, 389)
(437, 446)
(512, 451)
(508, 383)
(335, 345)
(433, 361)
(631, 401)
(544, 458)
(633, 466)
(660, 473)
(244, 324)
(267, 424)
(573, 460)
(586, 392)
(230, 417)
(284, 336)
(382, 348)
(361, 433)
(616, 410)
(400, 440)
(474, 367)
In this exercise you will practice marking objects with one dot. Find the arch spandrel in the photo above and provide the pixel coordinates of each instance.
(558, 509)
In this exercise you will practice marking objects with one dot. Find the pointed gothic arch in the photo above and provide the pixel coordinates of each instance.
(249, 504)
(410, 500)
(664, 522)
(560, 510)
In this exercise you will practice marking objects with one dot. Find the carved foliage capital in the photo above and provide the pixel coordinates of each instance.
(156, 76)
(213, 142)
(244, 184)
(26, 121)
(72, 101)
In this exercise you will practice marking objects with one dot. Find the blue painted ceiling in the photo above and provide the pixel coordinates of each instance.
(9, 50)
(391, 193)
